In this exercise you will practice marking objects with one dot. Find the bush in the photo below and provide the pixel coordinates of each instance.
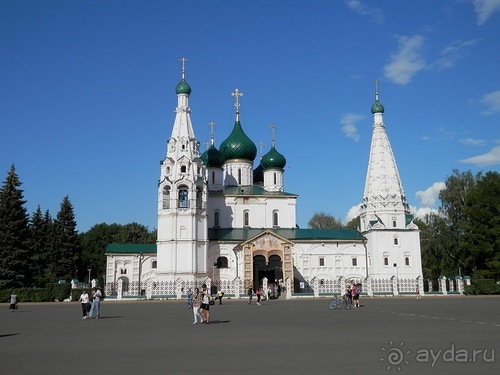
(482, 286)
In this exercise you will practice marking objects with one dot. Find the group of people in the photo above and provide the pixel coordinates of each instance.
(353, 294)
(199, 301)
(259, 293)
(91, 308)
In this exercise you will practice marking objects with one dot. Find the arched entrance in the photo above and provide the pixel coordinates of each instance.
(271, 269)
(267, 256)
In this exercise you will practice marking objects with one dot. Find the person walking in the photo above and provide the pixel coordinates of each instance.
(418, 292)
(13, 302)
(355, 295)
(84, 299)
(196, 303)
(220, 294)
(96, 303)
(259, 293)
(250, 295)
(205, 304)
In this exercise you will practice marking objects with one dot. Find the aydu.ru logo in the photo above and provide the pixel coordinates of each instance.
(397, 356)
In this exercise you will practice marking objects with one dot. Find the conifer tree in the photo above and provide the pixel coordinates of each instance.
(67, 246)
(14, 232)
(41, 246)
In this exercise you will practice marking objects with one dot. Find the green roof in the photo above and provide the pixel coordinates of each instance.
(292, 234)
(245, 234)
(251, 190)
(130, 248)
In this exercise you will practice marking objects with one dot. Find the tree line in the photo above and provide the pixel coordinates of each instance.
(38, 249)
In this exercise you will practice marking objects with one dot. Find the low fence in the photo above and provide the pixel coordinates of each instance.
(315, 287)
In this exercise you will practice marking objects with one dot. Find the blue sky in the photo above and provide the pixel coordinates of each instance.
(87, 94)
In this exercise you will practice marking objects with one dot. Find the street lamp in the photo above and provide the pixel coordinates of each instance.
(397, 276)
(141, 256)
(89, 269)
(142, 259)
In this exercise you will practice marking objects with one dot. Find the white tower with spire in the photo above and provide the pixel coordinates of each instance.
(182, 199)
(393, 245)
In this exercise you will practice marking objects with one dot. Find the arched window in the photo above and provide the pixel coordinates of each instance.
(222, 262)
(275, 218)
(274, 175)
(246, 219)
(166, 197)
(183, 169)
(386, 261)
(407, 261)
(355, 262)
(239, 176)
(183, 197)
(396, 241)
(154, 264)
(216, 218)
(213, 177)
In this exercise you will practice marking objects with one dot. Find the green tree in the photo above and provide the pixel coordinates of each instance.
(41, 246)
(13, 233)
(67, 245)
(481, 227)
(321, 220)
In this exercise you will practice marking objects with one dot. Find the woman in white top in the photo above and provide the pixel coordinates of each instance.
(84, 299)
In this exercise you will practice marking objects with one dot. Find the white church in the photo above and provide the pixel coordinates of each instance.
(225, 219)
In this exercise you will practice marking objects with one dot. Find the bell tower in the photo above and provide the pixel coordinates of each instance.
(182, 198)
(393, 245)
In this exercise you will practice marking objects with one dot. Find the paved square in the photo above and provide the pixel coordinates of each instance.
(441, 335)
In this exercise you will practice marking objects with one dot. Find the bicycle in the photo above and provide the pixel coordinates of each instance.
(338, 302)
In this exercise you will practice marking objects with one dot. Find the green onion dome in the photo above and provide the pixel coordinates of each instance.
(183, 88)
(238, 145)
(377, 107)
(258, 174)
(212, 157)
(273, 159)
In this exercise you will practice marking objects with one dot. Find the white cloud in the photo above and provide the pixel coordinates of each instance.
(492, 101)
(492, 157)
(422, 212)
(452, 53)
(349, 128)
(375, 14)
(407, 61)
(485, 9)
(352, 213)
(429, 196)
(472, 142)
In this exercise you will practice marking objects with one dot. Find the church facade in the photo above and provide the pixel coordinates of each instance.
(225, 218)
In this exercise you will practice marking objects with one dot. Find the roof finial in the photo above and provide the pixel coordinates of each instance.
(261, 144)
(212, 126)
(273, 131)
(237, 94)
(376, 90)
(184, 60)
